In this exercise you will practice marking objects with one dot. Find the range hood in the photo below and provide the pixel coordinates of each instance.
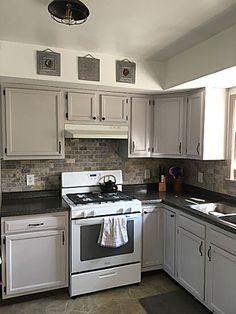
(96, 131)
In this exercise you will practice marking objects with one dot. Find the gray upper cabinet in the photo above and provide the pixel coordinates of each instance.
(140, 127)
(92, 107)
(195, 116)
(82, 106)
(33, 124)
(114, 108)
(206, 124)
(168, 127)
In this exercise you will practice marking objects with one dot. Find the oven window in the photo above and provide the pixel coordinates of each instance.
(89, 249)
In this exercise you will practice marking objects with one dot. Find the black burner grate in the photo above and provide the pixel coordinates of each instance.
(90, 198)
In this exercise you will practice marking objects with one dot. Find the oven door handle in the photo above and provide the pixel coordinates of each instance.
(95, 220)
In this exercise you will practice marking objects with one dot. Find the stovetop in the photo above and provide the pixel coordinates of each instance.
(98, 197)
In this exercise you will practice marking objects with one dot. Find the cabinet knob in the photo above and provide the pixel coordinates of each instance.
(172, 216)
(94, 118)
(103, 118)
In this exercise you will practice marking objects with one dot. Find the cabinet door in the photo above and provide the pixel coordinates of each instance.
(140, 127)
(169, 241)
(33, 123)
(152, 237)
(168, 126)
(190, 262)
(114, 108)
(195, 117)
(221, 280)
(35, 261)
(82, 106)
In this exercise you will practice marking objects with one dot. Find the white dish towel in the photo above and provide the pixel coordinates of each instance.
(113, 232)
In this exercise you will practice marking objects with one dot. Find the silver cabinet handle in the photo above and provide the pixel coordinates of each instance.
(198, 148)
(209, 254)
(36, 225)
(59, 147)
(200, 248)
(180, 147)
(63, 238)
(133, 146)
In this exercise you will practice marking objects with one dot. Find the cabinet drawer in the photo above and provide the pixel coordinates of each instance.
(226, 242)
(105, 279)
(33, 223)
(192, 226)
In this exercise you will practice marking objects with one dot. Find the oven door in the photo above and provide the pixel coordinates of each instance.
(87, 254)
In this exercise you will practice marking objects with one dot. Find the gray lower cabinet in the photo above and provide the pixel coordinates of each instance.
(34, 254)
(205, 260)
(169, 225)
(222, 281)
(191, 262)
(33, 124)
(221, 273)
(152, 252)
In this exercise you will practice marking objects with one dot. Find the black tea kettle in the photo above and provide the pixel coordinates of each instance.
(108, 185)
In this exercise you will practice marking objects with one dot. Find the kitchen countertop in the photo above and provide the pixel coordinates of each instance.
(31, 203)
(148, 196)
(43, 202)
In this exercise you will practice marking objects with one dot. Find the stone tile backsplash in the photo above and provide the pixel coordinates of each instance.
(81, 155)
(97, 154)
(214, 175)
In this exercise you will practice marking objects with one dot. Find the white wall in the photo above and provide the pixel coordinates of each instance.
(212, 55)
(19, 60)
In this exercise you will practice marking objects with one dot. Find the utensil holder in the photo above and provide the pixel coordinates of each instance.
(162, 186)
(178, 185)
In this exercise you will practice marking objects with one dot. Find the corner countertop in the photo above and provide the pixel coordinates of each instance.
(32, 203)
(149, 196)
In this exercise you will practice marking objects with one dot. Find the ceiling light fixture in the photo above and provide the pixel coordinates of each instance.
(68, 12)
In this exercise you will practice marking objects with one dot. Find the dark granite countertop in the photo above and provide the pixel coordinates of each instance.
(147, 195)
(42, 202)
(31, 203)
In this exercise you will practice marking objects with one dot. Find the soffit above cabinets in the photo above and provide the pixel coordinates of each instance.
(153, 29)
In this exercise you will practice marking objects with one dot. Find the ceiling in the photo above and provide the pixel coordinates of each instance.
(153, 29)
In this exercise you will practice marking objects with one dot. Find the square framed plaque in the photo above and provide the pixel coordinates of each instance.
(125, 71)
(48, 63)
(89, 68)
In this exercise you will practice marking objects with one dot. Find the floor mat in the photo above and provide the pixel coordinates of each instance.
(176, 302)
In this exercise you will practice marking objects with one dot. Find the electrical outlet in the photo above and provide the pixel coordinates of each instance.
(30, 179)
(200, 177)
(147, 174)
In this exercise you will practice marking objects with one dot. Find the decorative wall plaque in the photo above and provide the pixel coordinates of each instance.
(88, 68)
(48, 62)
(125, 71)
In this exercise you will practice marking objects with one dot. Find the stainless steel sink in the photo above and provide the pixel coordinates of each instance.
(216, 209)
(229, 218)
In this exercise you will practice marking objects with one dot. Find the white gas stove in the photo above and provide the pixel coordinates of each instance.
(94, 267)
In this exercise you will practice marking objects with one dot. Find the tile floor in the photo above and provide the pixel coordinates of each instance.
(115, 301)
